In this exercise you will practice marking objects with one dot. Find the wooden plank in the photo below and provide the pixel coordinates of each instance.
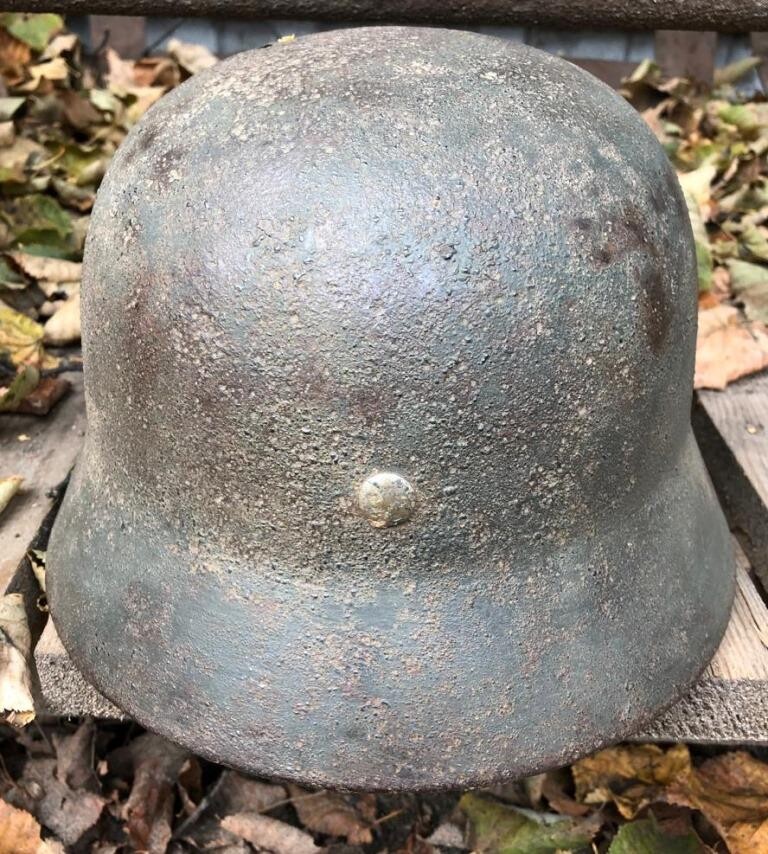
(124, 33)
(736, 16)
(732, 431)
(42, 450)
(687, 54)
(759, 43)
(610, 71)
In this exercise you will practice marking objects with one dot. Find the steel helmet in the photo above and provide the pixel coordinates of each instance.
(389, 480)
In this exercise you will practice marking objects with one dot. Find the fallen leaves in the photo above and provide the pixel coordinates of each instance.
(21, 338)
(19, 832)
(34, 30)
(730, 790)
(16, 702)
(331, 813)
(64, 326)
(728, 347)
(148, 813)
(9, 486)
(717, 142)
(648, 837)
(269, 834)
(499, 827)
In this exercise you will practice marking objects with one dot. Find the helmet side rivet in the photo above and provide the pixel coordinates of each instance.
(386, 499)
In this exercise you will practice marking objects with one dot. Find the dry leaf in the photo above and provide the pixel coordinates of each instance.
(728, 347)
(330, 813)
(148, 812)
(191, 57)
(269, 834)
(14, 57)
(64, 326)
(730, 790)
(73, 755)
(21, 337)
(16, 704)
(49, 269)
(69, 813)
(9, 486)
(237, 793)
(64, 43)
(55, 70)
(119, 71)
(19, 832)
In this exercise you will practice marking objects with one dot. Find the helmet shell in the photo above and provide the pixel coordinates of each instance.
(422, 258)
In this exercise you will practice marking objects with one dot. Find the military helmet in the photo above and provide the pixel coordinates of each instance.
(389, 480)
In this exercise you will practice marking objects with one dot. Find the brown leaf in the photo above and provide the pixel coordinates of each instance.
(119, 71)
(728, 347)
(79, 111)
(330, 813)
(46, 394)
(155, 71)
(148, 812)
(19, 831)
(69, 813)
(731, 790)
(269, 834)
(14, 57)
(237, 793)
(73, 757)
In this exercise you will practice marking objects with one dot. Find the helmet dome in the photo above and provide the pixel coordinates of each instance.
(389, 480)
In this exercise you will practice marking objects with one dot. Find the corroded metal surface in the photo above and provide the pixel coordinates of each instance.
(421, 252)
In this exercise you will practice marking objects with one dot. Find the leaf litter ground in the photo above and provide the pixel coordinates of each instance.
(84, 787)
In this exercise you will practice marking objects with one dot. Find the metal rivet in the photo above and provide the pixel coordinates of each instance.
(386, 499)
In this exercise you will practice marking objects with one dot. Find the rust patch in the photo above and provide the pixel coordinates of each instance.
(656, 307)
(620, 237)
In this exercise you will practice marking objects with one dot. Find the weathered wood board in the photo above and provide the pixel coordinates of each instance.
(42, 450)
(732, 432)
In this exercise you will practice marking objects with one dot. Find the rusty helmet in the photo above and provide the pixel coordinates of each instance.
(389, 480)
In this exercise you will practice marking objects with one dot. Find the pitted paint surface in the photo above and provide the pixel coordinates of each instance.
(418, 251)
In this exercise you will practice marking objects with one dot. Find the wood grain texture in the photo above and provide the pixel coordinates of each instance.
(124, 33)
(610, 71)
(44, 461)
(731, 428)
(720, 15)
(686, 54)
(759, 43)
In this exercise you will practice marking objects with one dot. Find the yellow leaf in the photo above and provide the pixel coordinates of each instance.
(9, 486)
(21, 337)
(646, 763)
